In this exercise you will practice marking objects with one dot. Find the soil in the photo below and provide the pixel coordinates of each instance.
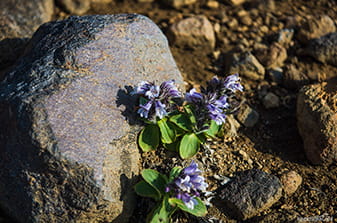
(273, 144)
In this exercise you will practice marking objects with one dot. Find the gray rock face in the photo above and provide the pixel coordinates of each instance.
(249, 193)
(67, 150)
(247, 116)
(19, 19)
(324, 49)
(317, 121)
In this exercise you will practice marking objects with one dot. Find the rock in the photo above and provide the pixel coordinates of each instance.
(194, 32)
(231, 126)
(291, 181)
(317, 121)
(179, 3)
(249, 193)
(293, 77)
(271, 100)
(315, 28)
(18, 21)
(285, 37)
(75, 7)
(247, 116)
(276, 75)
(247, 65)
(272, 57)
(212, 4)
(237, 2)
(67, 150)
(324, 49)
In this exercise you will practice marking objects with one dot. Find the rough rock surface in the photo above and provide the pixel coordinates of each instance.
(247, 65)
(324, 49)
(77, 7)
(317, 121)
(273, 56)
(249, 193)
(19, 19)
(291, 181)
(315, 28)
(67, 150)
(195, 32)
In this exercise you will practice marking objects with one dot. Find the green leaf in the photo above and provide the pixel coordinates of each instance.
(189, 145)
(199, 209)
(182, 121)
(172, 146)
(149, 138)
(213, 129)
(143, 101)
(162, 213)
(175, 171)
(167, 130)
(157, 180)
(189, 111)
(146, 190)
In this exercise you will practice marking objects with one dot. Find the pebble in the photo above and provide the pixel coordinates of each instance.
(179, 3)
(212, 4)
(291, 181)
(271, 100)
(195, 32)
(247, 116)
(276, 75)
(75, 7)
(247, 65)
(285, 36)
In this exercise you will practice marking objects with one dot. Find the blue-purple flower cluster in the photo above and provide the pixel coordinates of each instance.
(158, 98)
(213, 100)
(188, 185)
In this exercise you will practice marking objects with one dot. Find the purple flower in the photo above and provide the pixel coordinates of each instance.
(232, 83)
(193, 96)
(158, 98)
(188, 185)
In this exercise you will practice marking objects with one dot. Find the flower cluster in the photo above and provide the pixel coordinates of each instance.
(213, 100)
(158, 98)
(188, 185)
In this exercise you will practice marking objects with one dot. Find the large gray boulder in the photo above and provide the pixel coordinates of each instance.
(68, 152)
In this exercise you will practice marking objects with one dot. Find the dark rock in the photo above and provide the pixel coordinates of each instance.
(317, 121)
(19, 19)
(324, 49)
(294, 77)
(67, 150)
(249, 193)
(271, 100)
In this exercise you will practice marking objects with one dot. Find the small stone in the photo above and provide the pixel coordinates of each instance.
(247, 65)
(272, 57)
(317, 121)
(293, 77)
(264, 29)
(237, 2)
(233, 24)
(76, 7)
(315, 28)
(231, 126)
(179, 3)
(212, 4)
(217, 28)
(194, 32)
(291, 181)
(276, 75)
(249, 193)
(324, 49)
(271, 100)
(145, 1)
(285, 37)
(247, 116)
(246, 20)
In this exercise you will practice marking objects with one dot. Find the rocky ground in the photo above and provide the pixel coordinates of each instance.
(273, 45)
